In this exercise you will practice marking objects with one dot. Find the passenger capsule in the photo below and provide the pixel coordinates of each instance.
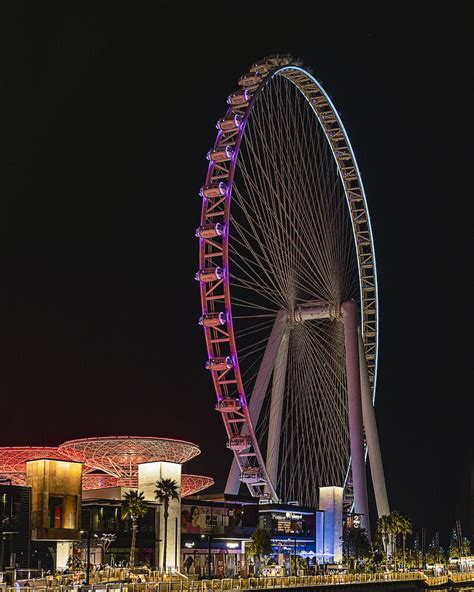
(239, 97)
(252, 476)
(228, 405)
(250, 79)
(239, 443)
(273, 59)
(209, 274)
(285, 60)
(262, 66)
(213, 319)
(210, 230)
(230, 122)
(219, 364)
(217, 189)
(220, 154)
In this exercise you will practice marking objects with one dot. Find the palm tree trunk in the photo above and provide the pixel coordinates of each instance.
(165, 537)
(395, 549)
(134, 542)
(403, 543)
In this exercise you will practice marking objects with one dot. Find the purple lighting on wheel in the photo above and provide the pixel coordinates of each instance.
(213, 190)
(209, 274)
(220, 364)
(239, 97)
(221, 154)
(230, 122)
(210, 230)
(213, 319)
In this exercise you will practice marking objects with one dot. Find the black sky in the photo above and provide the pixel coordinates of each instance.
(109, 117)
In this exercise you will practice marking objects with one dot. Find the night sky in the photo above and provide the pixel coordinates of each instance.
(108, 121)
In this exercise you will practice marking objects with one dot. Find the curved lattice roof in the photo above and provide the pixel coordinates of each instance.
(98, 481)
(119, 456)
(13, 460)
(191, 484)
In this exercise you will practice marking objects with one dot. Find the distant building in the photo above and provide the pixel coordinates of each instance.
(15, 525)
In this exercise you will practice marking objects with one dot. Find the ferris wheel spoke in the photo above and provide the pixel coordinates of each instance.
(308, 254)
(300, 159)
(305, 280)
(254, 328)
(304, 270)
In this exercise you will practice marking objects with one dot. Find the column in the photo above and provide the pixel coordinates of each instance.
(359, 480)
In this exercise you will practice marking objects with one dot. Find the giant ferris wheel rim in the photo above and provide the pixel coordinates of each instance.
(292, 71)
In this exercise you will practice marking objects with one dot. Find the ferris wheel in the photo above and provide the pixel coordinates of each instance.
(289, 292)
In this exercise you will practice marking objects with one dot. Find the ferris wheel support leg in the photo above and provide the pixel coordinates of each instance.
(371, 434)
(259, 390)
(361, 505)
(233, 479)
(276, 410)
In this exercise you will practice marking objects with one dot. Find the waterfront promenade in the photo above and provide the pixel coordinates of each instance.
(116, 582)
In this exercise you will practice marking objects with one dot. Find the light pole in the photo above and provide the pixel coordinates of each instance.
(209, 551)
(88, 562)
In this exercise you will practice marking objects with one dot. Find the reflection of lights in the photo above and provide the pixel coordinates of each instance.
(189, 545)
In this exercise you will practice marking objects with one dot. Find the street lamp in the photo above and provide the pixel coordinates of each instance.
(209, 551)
(88, 562)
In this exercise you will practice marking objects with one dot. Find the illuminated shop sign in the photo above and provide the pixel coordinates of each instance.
(293, 516)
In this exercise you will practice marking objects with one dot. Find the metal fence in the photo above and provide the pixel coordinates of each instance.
(458, 578)
(221, 585)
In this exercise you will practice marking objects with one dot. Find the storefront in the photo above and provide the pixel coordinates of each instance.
(214, 535)
(296, 531)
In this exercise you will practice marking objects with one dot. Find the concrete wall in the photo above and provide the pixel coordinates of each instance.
(60, 479)
(148, 475)
(330, 500)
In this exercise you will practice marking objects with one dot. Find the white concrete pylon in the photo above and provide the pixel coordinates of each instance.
(148, 474)
(276, 409)
(354, 400)
(371, 435)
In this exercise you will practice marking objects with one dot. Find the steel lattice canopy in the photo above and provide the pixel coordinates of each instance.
(119, 456)
(191, 484)
(98, 481)
(13, 460)
(15, 478)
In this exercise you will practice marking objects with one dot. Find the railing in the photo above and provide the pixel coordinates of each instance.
(223, 585)
(462, 577)
(436, 580)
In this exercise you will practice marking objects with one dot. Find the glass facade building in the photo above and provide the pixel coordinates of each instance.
(15, 526)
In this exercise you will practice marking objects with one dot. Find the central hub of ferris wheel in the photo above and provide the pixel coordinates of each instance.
(284, 219)
(313, 311)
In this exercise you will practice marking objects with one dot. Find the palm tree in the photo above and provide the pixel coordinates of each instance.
(133, 507)
(166, 490)
(392, 528)
(406, 528)
(383, 531)
(398, 524)
(261, 544)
